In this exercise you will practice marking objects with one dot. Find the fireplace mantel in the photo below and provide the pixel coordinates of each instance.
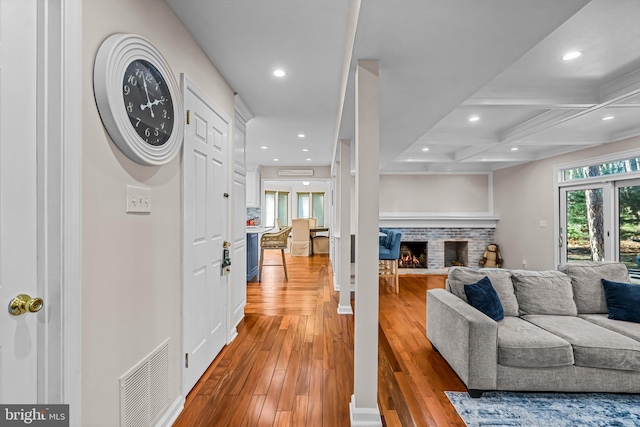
(444, 220)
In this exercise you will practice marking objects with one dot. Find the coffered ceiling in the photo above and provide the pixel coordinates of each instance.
(441, 63)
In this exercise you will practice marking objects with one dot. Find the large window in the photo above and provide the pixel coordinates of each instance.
(276, 208)
(600, 213)
(616, 167)
(311, 205)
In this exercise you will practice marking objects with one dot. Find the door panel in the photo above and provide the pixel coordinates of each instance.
(585, 218)
(18, 200)
(628, 235)
(205, 229)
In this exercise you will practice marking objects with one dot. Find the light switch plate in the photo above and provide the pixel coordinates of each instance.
(138, 199)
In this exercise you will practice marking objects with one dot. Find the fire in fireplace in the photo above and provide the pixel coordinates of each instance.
(413, 255)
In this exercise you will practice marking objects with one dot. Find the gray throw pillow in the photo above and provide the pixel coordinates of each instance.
(500, 279)
(586, 279)
(544, 292)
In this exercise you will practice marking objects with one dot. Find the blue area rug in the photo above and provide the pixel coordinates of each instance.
(548, 409)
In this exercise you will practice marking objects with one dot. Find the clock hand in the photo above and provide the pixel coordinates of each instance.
(149, 104)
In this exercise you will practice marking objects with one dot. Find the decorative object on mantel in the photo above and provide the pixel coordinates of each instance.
(491, 257)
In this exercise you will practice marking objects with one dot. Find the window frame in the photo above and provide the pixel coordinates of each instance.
(610, 183)
(276, 206)
(310, 204)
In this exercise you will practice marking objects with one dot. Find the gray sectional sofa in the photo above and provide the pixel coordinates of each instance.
(555, 335)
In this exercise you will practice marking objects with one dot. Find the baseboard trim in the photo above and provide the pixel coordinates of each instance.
(364, 417)
(232, 335)
(172, 413)
(345, 309)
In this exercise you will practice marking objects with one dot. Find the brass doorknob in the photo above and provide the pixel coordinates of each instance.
(23, 303)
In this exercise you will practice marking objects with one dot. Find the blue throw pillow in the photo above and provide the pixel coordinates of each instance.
(483, 297)
(623, 300)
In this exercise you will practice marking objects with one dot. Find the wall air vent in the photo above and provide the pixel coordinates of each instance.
(144, 390)
(295, 172)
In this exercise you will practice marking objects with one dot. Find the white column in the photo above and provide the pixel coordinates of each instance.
(344, 208)
(364, 402)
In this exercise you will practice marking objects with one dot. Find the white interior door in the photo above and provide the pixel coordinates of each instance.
(205, 165)
(18, 202)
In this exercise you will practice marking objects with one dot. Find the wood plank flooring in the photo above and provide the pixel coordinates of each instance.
(292, 362)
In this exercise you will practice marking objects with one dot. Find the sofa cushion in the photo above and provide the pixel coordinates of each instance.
(586, 276)
(623, 300)
(483, 296)
(500, 279)
(628, 329)
(522, 344)
(593, 345)
(543, 292)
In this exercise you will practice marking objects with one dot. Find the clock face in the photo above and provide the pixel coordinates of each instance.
(148, 102)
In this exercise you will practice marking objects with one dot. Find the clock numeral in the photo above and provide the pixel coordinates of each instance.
(127, 90)
(157, 132)
(149, 78)
(157, 85)
(132, 80)
(162, 126)
(138, 122)
(164, 114)
(130, 107)
(139, 73)
(147, 132)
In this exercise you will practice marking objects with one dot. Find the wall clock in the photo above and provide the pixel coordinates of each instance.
(138, 99)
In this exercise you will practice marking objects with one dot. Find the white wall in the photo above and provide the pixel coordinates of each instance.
(427, 193)
(131, 263)
(431, 193)
(524, 196)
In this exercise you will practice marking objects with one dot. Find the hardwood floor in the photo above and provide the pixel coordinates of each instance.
(292, 362)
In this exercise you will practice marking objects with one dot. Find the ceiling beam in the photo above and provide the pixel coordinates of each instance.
(621, 88)
(469, 152)
(538, 97)
(537, 124)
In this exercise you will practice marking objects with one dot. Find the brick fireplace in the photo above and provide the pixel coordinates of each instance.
(444, 245)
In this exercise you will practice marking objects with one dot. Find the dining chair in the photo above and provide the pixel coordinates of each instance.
(300, 237)
(388, 255)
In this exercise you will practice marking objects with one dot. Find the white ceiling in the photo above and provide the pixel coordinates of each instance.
(441, 61)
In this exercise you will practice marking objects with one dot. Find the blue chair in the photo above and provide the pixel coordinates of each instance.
(388, 255)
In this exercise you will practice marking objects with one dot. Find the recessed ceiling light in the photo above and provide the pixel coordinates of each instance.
(571, 55)
(474, 118)
(279, 73)
(308, 160)
(607, 118)
(301, 135)
(514, 148)
(264, 147)
(305, 183)
(425, 149)
(305, 149)
(276, 160)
